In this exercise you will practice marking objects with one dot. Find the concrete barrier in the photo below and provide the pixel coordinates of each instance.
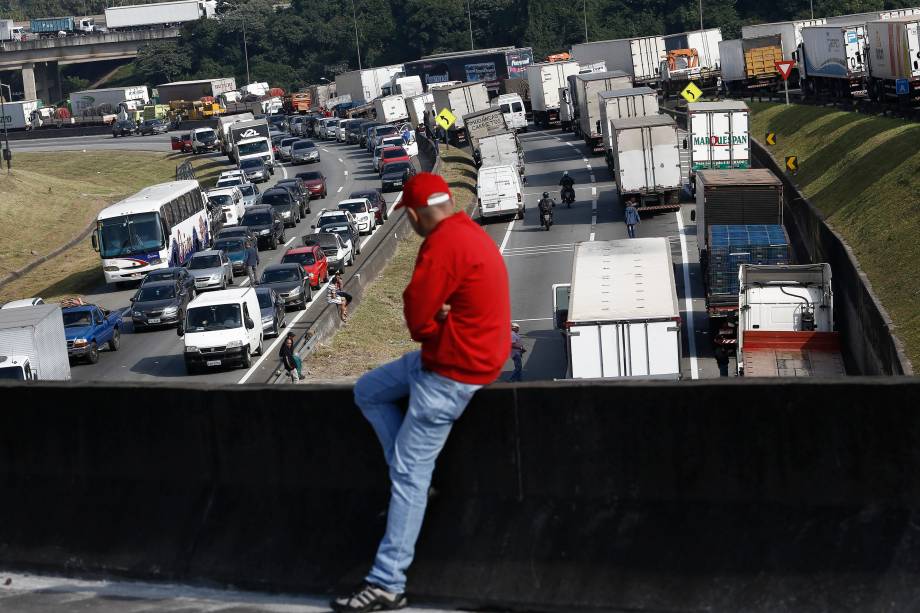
(753, 495)
(65, 130)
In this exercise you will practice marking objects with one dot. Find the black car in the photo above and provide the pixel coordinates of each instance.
(299, 189)
(159, 303)
(289, 282)
(347, 231)
(285, 202)
(395, 175)
(235, 232)
(154, 126)
(271, 307)
(375, 196)
(353, 133)
(362, 139)
(236, 248)
(179, 274)
(255, 170)
(125, 127)
(266, 224)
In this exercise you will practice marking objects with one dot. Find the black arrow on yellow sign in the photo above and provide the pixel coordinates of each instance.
(792, 163)
(771, 138)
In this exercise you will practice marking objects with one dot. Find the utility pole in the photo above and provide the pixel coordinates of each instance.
(246, 53)
(701, 14)
(7, 154)
(354, 15)
(585, 11)
(469, 16)
(811, 4)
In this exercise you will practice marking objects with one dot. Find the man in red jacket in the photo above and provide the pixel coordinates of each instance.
(457, 306)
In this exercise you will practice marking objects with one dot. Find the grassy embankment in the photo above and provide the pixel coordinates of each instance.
(376, 331)
(863, 173)
(51, 198)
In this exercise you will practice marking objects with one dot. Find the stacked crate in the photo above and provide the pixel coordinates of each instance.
(761, 61)
(732, 246)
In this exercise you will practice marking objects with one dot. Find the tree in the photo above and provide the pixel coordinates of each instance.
(162, 62)
(75, 84)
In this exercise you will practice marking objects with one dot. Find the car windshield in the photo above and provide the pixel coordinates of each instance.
(221, 199)
(278, 198)
(77, 318)
(343, 232)
(324, 240)
(257, 219)
(213, 317)
(386, 131)
(389, 154)
(354, 207)
(200, 262)
(160, 275)
(310, 176)
(287, 142)
(259, 146)
(12, 373)
(304, 259)
(248, 189)
(229, 246)
(369, 195)
(304, 144)
(265, 300)
(394, 168)
(334, 218)
(130, 234)
(206, 135)
(150, 294)
(280, 275)
(229, 181)
(228, 232)
(250, 164)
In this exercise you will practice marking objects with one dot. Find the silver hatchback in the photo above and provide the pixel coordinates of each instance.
(211, 269)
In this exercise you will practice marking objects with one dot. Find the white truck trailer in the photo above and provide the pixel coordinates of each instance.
(544, 80)
(646, 161)
(620, 314)
(461, 100)
(482, 123)
(84, 101)
(365, 85)
(623, 103)
(639, 57)
(719, 136)
(415, 107)
(790, 34)
(32, 344)
(832, 60)
(18, 114)
(894, 59)
(690, 56)
(786, 322)
(391, 109)
(157, 14)
(588, 86)
(501, 149)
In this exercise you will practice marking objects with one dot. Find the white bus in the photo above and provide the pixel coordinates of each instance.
(159, 226)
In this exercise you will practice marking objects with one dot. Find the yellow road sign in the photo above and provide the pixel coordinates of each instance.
(691, 93)
(771, 138)
(445, 118)
(792, 163)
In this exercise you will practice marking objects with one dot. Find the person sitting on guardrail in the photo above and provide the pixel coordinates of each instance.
(332, 297)
(457, 305)
(289, 358)
(345, 296)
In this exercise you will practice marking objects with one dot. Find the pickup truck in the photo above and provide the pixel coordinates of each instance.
(88, 327)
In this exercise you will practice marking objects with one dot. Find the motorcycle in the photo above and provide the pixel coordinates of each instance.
(568, 196)
(546, 219)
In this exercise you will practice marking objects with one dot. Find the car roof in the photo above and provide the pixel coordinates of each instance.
(205, 252)
(219, 297)
(218, 191)
(394, 148)
(353, 201)
(304, 175)
(260, 208)
(301, 249)
(160, 284)
(287, 266)
(358, 193)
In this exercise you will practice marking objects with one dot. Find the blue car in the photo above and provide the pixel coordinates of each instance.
(87, 328)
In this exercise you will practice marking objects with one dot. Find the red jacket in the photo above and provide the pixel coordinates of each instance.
(459, 264)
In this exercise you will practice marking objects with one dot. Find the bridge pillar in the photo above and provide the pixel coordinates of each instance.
(28, 82)
(42, 80)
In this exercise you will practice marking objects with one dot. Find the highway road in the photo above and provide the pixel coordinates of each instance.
(99, 142)
(156, 355)
(536, 259)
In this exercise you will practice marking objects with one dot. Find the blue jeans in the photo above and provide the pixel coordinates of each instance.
(411, 443)
(518, 367)
(631, 230)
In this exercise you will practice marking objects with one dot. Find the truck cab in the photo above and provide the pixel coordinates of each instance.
(257, 147)
(16, 368)
(88, 328)
(512, 106)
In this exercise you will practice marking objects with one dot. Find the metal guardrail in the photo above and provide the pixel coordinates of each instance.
(185, 171)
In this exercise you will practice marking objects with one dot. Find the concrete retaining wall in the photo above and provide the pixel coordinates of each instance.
(753, 495)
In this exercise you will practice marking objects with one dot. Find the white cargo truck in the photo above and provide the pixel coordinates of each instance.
(588, 86)
(401, 84)
(415, 107)
(786, 322)
(482, 123)
(461, 100)
(544, 80)
(18, 114)
(501, 149)
(832, 60)
(566, 110)
(620, 314)
(894, 59)
(391, 109)
(638, 57)
(160, 13)
(646, 161)
(85, 100)
(790, 33)
(365, 85)
(9, 31)
(622, 103)
(690, 56)
(33, 345)
(719, 136)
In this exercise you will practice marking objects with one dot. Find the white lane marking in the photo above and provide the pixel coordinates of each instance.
(589, 166)
(324, 149)
(593, 180)
(293, 238)
(338, 190)
(591, 236)
(341, 160)
(585, 159)
(688, 298)
(594, 191)
(594, 205)
(501, 249)
(534, 319)
(594, 220)
(346, 173)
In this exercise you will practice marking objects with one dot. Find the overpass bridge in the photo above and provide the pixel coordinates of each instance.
(40, 60)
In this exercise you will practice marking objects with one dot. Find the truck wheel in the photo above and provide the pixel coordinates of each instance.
(246, 360)
(259, 349)
(93, 356)
(116, 340)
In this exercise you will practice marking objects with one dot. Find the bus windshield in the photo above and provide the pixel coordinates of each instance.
(260, 146)
(130, 234)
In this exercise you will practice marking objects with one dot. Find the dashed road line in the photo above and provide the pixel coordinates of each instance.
(338, 190)
(501, 248)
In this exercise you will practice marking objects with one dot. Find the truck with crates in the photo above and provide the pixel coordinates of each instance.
(786, 322)
(545, 80)
(32, 344)
(790, 37)
(588, 86)
(690, 56)
(622, 104)
(719, 136)
(894, 59)
(639, 57)
(750, 64)
(645, 162)
(460, 100)
(620, 315)
(832, 60)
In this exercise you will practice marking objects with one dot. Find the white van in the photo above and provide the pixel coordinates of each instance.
(499, 192)
(512, 107)
(230, 201)
(222, 328)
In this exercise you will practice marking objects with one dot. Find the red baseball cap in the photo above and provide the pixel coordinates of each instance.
(424, 189)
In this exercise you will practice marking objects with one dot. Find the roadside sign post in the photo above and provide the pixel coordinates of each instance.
(445, 118)
(691, 93)
(901, 87)
(792, 163)
(785, 69)
(771, 138)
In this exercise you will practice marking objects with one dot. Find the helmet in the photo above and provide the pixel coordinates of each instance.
(546, 194)
(565, 173)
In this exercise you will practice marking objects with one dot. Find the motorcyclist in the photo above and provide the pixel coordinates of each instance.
(546, 205)
(567, 184)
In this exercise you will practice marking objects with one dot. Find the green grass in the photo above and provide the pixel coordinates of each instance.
(123, 77)
(376, 331)
(863, 173)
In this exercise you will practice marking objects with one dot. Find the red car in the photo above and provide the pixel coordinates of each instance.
(315, 182)
(181, 143)
(314, 262)
(393, 154)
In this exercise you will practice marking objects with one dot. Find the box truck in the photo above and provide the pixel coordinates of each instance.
(18, 114)
(365, 85)
(194, 90)
(786, 322)
(33, 345)
(401, 84)
(460, 100)
(690, 56)
(750, 64)
(623, 103)
(894, 59)
(646, 161)
(415, 107)
(619, 314)
(719, 136)
(545, 80)
(156, 14)
(88, 99)
(588, 86)
(489, 66)
(9, 31)
(790, 35)
(482, 123)
(391, 109)
(832, 60)
(501, 149)
(639, 57)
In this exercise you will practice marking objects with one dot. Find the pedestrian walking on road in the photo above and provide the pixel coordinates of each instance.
(517, 353)
(458, 307)
(631, 217)
(289, 358)
(721, 355)
(252, 261)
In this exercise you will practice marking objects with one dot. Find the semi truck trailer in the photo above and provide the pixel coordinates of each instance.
(139, 16)
(894, 59)
(832, 60)
(639, 57)
(588, 86)
(545, 81)
(33, 345)
(645, 161)
(460, 100)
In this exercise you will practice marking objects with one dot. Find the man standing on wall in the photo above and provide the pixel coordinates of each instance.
(457, 306)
